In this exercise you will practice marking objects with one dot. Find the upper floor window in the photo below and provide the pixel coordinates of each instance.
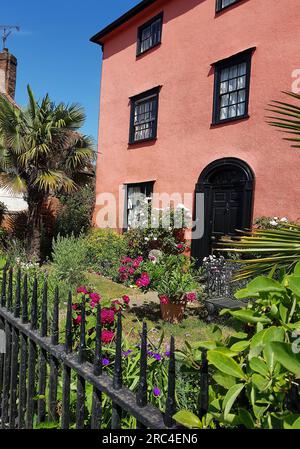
(232, 85)
(144, 113)
(221, 4)
(149, 34)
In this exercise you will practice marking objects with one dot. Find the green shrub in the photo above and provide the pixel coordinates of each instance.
(105, 248)
(69, 259)
(75, 215)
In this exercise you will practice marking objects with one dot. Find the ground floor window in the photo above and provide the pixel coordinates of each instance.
(138, 195)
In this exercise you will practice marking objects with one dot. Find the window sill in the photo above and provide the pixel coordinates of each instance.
(138, 142)
(229, 120)
(141, 54)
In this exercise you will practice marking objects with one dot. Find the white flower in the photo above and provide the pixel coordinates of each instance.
(146, 239)
(276, 218)
(273, 223)
(284, 220)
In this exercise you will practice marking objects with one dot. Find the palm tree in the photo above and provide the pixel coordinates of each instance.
(279, 248)
(42, 153)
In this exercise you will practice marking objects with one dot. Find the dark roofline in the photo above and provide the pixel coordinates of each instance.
(121, 20)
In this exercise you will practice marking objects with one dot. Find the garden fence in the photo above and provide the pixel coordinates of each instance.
(28, 394)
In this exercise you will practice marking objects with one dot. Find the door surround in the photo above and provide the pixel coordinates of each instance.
(239, 174)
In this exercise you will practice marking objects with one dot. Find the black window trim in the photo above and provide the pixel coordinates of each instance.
(220, 8)
(154, 92)
(147, 184)
(244, 56)
(145, 25)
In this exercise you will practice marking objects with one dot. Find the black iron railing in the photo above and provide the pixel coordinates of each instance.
(33, 362)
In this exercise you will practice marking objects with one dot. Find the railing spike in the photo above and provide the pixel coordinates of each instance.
(18, 295)
(34, 306)
(55, 319)
(117, 381)
(142, 389)
(3, 289)
(68, 328)
(98, 347)
(171, 404)
(82, 344)
(10, 289)
(25, 300)
(44, 319)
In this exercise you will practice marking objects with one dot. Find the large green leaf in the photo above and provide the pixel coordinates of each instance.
(294, 284)
(188, 419)
(225, 364)
(260, 285)
(231, 397)
(259, 366)
(284, 354)
(249, 316)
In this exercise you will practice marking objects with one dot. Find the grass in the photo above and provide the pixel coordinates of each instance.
(146, 308)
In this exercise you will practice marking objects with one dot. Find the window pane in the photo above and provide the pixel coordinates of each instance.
(241, 109)
(227, 3)
(242, 69)
(242, 95)
(224, 100)
(241, 82)
(224, 74)
(232, 85)
(233, 98)
(150, 35)
(233, 71)
(224, 88)
(232, 111)
(223, 113)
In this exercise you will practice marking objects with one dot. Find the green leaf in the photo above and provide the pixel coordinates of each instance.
(240, 346)
(231, 397)
(291, 421)
(259, 366)
(246, 419)
(294, 284)
(259, 285)
(260, 382)
(286, 357)
(188, 419)
(248, 316)
(224, 380)
(297, 269)
(225, 364)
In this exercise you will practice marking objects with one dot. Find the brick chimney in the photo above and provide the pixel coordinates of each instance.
(8, 73)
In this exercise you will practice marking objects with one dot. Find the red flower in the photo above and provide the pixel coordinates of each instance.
(126, 299)
(95, 299)
(75, 306)
(191, 297)
(107, 316)
(143, 281)
(115, 303)
(107, 336)
(77, 320)
(164, 299)
(82, 289)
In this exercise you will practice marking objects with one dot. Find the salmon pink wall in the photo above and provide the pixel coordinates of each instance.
(193, 38)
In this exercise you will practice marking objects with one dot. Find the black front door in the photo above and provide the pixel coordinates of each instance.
(226, 211)
(227, 188)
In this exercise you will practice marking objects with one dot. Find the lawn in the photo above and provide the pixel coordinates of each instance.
(146, 308)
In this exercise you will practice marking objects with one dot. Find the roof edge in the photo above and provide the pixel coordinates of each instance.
(96, 39)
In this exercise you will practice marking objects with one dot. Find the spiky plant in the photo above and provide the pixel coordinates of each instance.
(272, 248)
(41, 153)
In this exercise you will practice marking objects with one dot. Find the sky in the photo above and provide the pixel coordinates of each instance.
(53, 49)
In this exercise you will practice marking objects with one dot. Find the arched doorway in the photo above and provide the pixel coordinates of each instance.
(228, 187)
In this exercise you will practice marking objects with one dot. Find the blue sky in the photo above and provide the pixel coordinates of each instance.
(53, 49)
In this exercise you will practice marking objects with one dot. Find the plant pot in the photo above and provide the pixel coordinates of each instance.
(173, 313)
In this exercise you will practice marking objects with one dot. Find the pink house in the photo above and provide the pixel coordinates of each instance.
(184, 92)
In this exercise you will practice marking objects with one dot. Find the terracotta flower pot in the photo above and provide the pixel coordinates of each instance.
(173, 313)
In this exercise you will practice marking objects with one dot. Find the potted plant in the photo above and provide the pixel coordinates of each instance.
(176, 282)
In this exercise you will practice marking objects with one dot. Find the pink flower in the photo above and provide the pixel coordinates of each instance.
(126, 299)
(122, 269)
(107, 336)
(107, 316)
(131, 271)
(75, 306)
(116, 305)
(164, 299)
(191, 297)
(77, 320)
(180, 247)
(82, 289)
(95, 299)
(143, 281)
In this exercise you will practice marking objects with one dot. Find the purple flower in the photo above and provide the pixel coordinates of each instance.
(167, 353)
(157, 357)
(127, 353)
(105, 362)
(156, 392)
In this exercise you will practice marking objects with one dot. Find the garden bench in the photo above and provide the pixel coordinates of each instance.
(219, 291)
